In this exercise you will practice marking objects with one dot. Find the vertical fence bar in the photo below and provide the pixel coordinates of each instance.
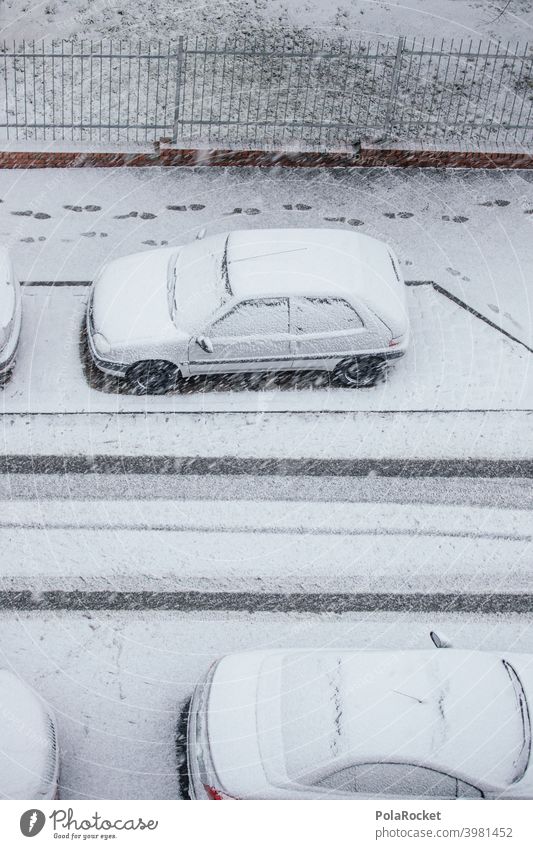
(158, 73)
(6, 90)
(24, 87)
(15, 93)
(177, 97)
(395, 82)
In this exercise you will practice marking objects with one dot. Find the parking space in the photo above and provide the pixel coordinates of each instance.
(456, 361)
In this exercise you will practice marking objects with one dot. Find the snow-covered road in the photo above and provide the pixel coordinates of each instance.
(116, 680)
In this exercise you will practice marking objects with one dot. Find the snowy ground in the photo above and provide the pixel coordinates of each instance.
(470, 233)
(116, 681)
(178, 564)
(339, 18)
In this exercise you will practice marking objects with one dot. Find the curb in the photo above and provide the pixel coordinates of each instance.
(166, 156)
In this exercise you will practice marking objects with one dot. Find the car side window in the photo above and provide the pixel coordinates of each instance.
(399, 779)
(323, 315)
(261, 317)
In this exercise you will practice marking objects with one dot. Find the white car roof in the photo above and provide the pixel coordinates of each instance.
(315, 262)
(455, 711)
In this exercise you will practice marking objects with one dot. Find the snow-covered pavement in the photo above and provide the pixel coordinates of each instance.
(116, 680)
(468, 232)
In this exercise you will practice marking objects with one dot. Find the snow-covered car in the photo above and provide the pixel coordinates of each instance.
(248, 301)
(10, 315)
(339, 724)
(29, 760)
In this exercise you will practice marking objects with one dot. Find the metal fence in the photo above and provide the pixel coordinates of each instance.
(246, 92)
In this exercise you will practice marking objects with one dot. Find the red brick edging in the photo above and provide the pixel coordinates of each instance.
(167, 156)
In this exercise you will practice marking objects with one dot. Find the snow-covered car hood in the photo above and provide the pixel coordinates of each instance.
(453, 710)
(130, 298)
(27, 742)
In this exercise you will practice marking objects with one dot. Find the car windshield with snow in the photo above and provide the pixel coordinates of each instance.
(308, 724)
(250, 301)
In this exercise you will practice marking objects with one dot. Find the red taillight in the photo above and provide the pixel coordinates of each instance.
(213, 793)
(394, 342)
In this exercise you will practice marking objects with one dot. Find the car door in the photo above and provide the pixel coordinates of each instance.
(325, 330)
(253, 335)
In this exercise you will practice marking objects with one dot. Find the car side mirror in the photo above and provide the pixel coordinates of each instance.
(205, 344)
(440, 641)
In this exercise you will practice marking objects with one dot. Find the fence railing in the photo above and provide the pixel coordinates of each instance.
(246, 92)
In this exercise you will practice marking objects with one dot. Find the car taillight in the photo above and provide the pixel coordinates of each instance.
(394, 342)
(213, 793)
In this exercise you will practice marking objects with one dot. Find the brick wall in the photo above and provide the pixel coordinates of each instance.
(166, 156)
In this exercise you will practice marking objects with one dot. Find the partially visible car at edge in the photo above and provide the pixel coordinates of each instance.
(10, 315)
(29, 758)
(248, 301)
(339, 724)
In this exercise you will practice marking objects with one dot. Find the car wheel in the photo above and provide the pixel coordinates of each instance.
(359, 373)
(153, 377)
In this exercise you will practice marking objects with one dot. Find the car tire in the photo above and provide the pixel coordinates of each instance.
(153, 377)
(357, 374)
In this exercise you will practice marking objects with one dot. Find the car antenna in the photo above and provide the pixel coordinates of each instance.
(261, 256)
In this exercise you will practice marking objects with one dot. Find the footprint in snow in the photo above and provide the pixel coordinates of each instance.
(197, 206)
(389, 214)
(126, 215)
(42, 238)
(355, 222)
(147, 215)
(303, 206)
(177, 208)
(23, 212)
(91, 207)
(42, 215)
(528, 211)
(73, 208)
(103, 235)
(405, 214)
(495, 203)
(493, 307)
(453, 272)
(27, 239)
(459, 219)
(252, 211)
(90, 234)
(340, 220)
(237, 210)
(149, 242)
(512, 320)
